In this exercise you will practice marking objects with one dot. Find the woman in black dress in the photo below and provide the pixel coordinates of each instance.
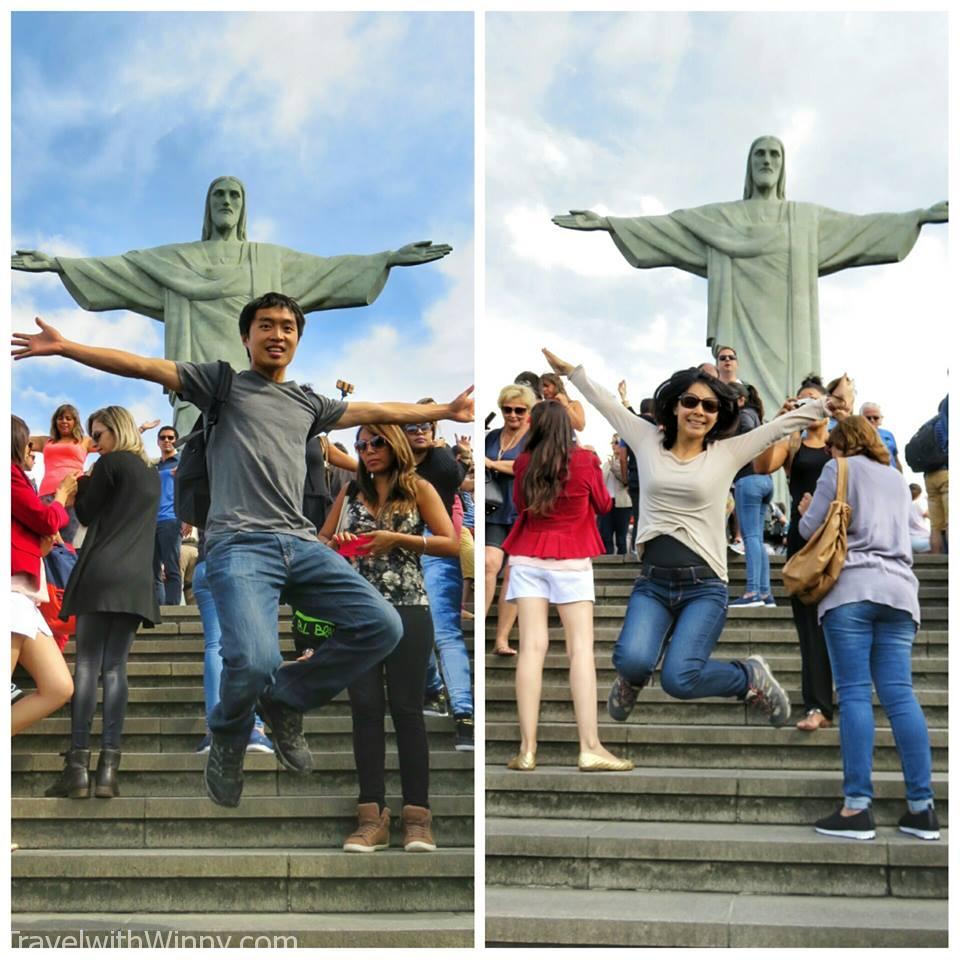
(110, 591)
(803, 457)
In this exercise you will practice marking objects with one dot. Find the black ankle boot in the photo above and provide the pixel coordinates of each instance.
(74, 779)
(107, 767)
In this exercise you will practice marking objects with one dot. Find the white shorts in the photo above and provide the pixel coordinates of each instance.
(557, 586)
(25, 617)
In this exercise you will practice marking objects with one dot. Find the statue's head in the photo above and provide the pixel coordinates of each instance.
(226, 207)
(766, 166)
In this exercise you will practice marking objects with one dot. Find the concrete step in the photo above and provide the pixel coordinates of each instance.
(594, 918)
(737, 572)
(929, 673)
(711, 858)
(180, 734)
(151, 822)
(928, 592)
(237, 880)
(648, 793)
(695, 745)
(180, 775)
(159, 931)
(656, 706)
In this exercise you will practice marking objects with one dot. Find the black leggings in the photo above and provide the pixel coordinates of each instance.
(406, 672)
(103, 645)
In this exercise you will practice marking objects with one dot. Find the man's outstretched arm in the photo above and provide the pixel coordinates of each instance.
(51, 343)
(357, 414)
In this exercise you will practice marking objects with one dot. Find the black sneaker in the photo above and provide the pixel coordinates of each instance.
(223, 774)
(464, 733)
(622, 698)
(924, 824)
(15, 692)
(435, 704)
(858, 827)
(289, 743)
(764, 693)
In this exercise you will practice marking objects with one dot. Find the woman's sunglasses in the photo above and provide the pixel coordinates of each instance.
(375, 443)
(519, 411)
(690, 401)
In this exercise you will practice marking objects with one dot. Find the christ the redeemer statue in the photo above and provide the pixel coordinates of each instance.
(198, 289)
(762, 256)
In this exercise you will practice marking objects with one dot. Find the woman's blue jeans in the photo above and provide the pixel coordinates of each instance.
(751, 496)
(870, 646)
(687, 619)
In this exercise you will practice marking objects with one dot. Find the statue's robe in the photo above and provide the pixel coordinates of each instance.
(761, 260)
(198, 290)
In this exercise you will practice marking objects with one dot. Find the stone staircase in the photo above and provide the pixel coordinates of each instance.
(709, 841)
(162, 865)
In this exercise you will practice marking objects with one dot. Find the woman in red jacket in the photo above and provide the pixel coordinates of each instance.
(32, 528)
(558, 490)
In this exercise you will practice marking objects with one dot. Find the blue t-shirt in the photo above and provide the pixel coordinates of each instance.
(165, 469)
(890, 443)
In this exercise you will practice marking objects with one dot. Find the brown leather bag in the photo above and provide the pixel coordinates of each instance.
(811, 572)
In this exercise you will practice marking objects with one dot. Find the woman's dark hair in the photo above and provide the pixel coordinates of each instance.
(552, 378)
(670, 391)
(754, 401)
(19, 438)
(271, 300)
(549, 445)
(77, 434)
(813, 382)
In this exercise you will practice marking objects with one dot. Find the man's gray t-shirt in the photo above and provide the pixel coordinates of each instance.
(255, 457)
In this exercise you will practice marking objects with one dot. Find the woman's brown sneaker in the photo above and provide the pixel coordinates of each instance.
(373, 830)
(417, 837)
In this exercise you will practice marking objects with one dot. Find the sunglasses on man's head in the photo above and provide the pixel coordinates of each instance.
(375, 443)
(418, 427)
(690, 401)
(727, 356)
(519, 411)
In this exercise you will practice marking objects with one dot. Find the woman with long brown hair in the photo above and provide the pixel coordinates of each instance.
(558, 491)
(553, 389)
(379, 519)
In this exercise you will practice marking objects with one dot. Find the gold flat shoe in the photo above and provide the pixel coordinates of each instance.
(523, 761)
(592, 762)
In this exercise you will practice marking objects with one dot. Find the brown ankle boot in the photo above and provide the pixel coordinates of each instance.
(417, 837)
(373, 830)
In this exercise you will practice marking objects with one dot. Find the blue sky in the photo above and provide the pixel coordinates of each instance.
(644, 113)
(353, 133)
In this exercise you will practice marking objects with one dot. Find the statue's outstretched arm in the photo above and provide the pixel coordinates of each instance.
(413, 254)
(581, 220)
(34, 261)
(938, 213)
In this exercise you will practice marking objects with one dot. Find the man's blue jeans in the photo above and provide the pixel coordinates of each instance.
(751, 496)
(870, 646)
(246, 573)
(691, 617)
(443, 580)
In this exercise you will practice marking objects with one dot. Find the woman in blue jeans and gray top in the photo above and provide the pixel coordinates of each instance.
(870, 619)
(686, 464)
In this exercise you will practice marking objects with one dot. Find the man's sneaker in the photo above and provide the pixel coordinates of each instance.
(858, 827)
(223, 774)
(738, 547)
(435, 704)
(764, 693)
(748, 600)
(622, 698)
(464, 732)
(924, 824)
(373, 830)
(289, 743)
(204, 745)
(15, 692)
(417, 835)
(768, 600)
(259, 742)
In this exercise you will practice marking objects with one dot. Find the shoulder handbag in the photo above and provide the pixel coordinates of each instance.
(811, 572)
(492, 494)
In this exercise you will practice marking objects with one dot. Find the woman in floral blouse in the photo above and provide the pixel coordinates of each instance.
(378, 522)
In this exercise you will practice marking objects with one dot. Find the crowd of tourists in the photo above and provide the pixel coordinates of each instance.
(688, 477)
(373, 551)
